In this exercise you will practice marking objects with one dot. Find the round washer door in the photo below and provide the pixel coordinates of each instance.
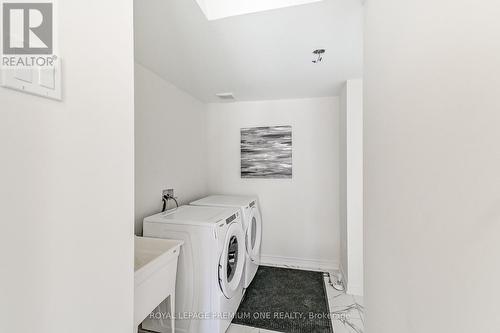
(232, 260)
(253, 234)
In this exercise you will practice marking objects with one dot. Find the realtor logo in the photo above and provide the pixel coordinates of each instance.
(27, 28)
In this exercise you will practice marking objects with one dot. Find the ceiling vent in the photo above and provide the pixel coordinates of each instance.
(225, 96)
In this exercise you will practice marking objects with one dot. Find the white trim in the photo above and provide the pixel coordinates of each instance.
(345, 278)
(354, 289)
(351, 288)
(299, 263)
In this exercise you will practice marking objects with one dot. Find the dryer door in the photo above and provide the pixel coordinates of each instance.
(232, 260)
(253, 234)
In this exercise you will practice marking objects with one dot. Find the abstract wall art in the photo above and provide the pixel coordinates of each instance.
(266, 152)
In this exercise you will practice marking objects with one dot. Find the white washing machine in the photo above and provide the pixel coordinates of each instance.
(209, 285)
(252, 226)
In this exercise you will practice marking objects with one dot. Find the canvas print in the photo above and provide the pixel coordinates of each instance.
(266, 152)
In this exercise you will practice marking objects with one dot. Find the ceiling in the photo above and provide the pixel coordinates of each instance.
(259, 56)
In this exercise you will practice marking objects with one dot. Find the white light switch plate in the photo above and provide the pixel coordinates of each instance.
(45, 82)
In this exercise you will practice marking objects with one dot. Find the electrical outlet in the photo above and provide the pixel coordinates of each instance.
(168, 192)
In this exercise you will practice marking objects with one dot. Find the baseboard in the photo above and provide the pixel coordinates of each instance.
(299, 263)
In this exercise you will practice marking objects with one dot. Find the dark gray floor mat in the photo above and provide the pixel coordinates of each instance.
(286, 300)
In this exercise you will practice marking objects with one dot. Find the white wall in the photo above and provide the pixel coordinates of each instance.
(169, 144)
(432, 161)
(351, 185)
(301, 217)
(66, 194)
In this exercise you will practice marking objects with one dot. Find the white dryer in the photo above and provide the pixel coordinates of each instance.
(252, 226)
(209, 285)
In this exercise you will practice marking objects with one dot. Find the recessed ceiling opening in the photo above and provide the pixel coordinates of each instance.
(218, 9)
